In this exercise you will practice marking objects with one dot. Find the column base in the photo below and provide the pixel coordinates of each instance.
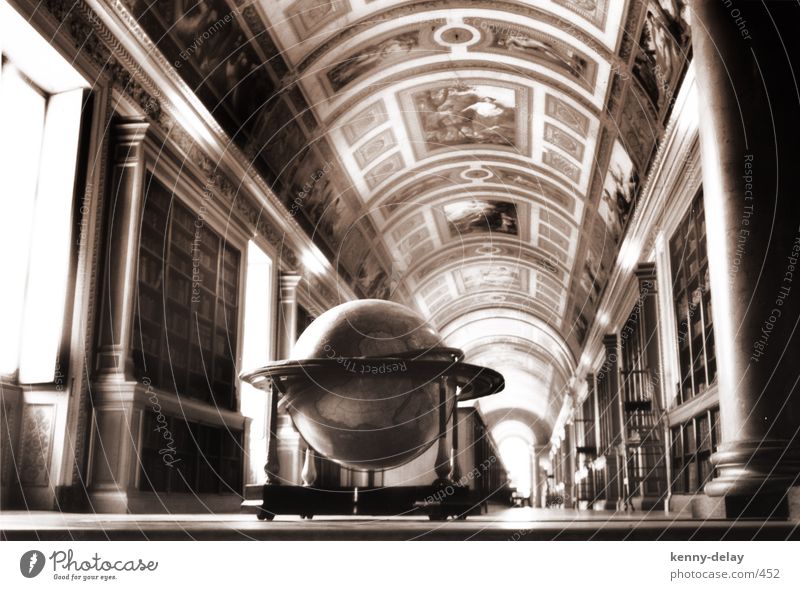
(783, 506)
(763, 468)
(648, 503)
(136, 502)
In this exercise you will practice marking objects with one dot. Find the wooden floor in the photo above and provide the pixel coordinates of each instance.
(523, 524)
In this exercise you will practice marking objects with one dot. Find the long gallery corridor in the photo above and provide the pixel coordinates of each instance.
(399, 269)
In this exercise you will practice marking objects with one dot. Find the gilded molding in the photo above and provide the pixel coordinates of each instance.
(92, 37)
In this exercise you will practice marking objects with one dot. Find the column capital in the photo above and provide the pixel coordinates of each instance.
(610, 342)
(288, 284)
(287, 309)
(130, 131)
(646, 276)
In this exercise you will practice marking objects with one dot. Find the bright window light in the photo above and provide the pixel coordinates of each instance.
(46, 291)
(40, 113)
(516, 455)
(256, 352)
(24, 47)
(313, 260)
(22, 111)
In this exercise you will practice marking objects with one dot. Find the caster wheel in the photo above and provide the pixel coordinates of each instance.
(462, 517)
(264, 515)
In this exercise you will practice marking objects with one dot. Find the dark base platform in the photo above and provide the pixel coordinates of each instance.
(437, 502)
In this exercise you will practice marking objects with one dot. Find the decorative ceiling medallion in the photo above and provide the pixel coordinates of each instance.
(476, 174)
(513, 40)
(458, 114)
(564, 140)
(457, 35)
(547, 231)
(407, 226)
(309, 16)
(413, 239)
(488, 250)
(553, 219)
(364, 122)
(554, 250)
(375, 147)
(383, 170)
(564, 113)
(560, 164)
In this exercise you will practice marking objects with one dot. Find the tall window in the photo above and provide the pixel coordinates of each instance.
(41, 98)
(256, 352)
(690, 285)
(185, 333)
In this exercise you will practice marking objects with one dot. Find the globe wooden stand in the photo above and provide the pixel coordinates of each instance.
(443, 499)
(369, 352)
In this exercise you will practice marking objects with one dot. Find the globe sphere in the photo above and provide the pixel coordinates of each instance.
(367, 405)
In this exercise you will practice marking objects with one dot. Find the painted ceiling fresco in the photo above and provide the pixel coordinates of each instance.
(472, 158)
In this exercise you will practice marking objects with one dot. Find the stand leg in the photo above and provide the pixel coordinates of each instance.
(273, 466)
(309, 473)
(455, 470)
(443, 453)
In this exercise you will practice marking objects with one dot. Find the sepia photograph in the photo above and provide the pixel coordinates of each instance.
(519, 272)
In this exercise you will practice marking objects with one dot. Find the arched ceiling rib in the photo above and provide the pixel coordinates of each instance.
(476, 159)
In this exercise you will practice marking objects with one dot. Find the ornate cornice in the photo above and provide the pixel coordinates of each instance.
(93, 39)
(417, 8)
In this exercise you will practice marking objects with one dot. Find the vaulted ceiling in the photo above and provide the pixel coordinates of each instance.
(475, 159)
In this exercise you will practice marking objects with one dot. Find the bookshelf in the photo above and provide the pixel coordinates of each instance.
(186, 320)
(207, 459)
(692, 444)
(692, 296)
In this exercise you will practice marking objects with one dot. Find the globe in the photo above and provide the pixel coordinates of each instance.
(369, 384)
(372, 409)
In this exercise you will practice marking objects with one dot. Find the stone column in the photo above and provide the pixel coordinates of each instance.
(569, 466)
(535, 503)
(287, 316)
(122, 251)
(746, 58)
(654, 486)
(648, 322)
(598, 485)
(615, 458)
